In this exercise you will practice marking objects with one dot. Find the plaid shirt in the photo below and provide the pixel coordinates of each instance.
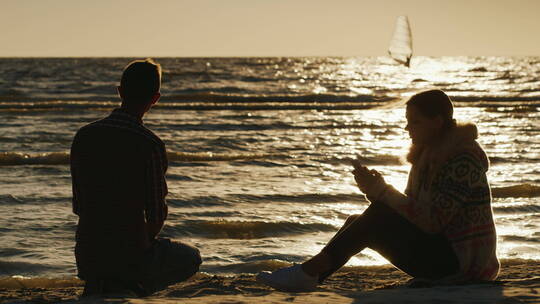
(156, 164)
(118, 175)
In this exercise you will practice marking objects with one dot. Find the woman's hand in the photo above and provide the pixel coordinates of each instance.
(369, 181)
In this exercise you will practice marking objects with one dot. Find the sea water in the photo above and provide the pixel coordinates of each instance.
(259, 150)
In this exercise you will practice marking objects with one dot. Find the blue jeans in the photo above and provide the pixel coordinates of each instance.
(169, 262)
(417, 253)
(165, 263)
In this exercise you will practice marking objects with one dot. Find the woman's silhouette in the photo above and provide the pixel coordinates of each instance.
(441, 229)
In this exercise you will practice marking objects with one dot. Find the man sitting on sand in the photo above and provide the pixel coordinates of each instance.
(118, 171)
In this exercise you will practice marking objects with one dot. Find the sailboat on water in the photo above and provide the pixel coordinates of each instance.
(400, 48)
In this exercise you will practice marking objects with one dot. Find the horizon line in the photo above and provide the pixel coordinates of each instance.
(251, 56)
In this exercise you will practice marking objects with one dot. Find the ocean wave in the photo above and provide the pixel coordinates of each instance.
(247, 267)
(222, 95)
(521, 190)
(8, 252)
(37, 198)
(202, 74)
(199, 83)
(480, 97)
(478, 69)
(299, 198)
(517, 209)
(24, 268)
(222, 229)
(29, 105)
(212, 102)
(515, 109)
(232, 200)
(378, 160)
(210, 156)
(207, 126)
(520, 239)
(217, 91)
(21, 282)
(190, 106)
(259, 163)
(47, 158)
(210, 96)
(62, 158)
(498, 160)
(6, 199)
(271, 261)
(199, 201)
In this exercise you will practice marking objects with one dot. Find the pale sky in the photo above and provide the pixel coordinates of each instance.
(199, 28)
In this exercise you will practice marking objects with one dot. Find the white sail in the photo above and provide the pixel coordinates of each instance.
(401, 44)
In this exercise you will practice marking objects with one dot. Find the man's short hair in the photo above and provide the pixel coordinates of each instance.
(141, 79)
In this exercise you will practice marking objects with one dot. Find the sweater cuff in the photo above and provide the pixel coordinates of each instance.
(377, 192)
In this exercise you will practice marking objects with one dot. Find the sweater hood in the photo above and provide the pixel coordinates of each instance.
(461, 139)
(464, 139)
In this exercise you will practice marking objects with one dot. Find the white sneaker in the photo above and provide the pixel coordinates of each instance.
(291, 278)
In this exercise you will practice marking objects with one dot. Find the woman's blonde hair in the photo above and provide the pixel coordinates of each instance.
(431, 104)
(434, 103)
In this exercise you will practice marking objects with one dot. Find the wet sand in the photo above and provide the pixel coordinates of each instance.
(518, 282)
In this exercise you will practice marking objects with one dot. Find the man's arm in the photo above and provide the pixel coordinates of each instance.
(74, 178)
(156, 207)
(154, 228)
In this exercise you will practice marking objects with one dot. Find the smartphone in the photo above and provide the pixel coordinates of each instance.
(357, 164)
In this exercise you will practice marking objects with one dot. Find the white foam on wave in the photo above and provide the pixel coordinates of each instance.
(22, 282)
(62, 158)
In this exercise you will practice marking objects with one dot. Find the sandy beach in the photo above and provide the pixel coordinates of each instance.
(519, 282)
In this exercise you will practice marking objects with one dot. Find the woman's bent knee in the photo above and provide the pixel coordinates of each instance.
(352, 218)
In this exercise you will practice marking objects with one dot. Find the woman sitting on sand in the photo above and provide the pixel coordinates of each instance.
(441, 229)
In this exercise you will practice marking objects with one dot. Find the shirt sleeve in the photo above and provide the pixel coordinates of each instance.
(74, 179)
(453, 187)
(156, 206)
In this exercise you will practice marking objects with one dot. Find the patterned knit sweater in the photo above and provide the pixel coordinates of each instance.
(448, 193)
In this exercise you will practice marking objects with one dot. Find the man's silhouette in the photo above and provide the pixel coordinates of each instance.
(118, 171)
